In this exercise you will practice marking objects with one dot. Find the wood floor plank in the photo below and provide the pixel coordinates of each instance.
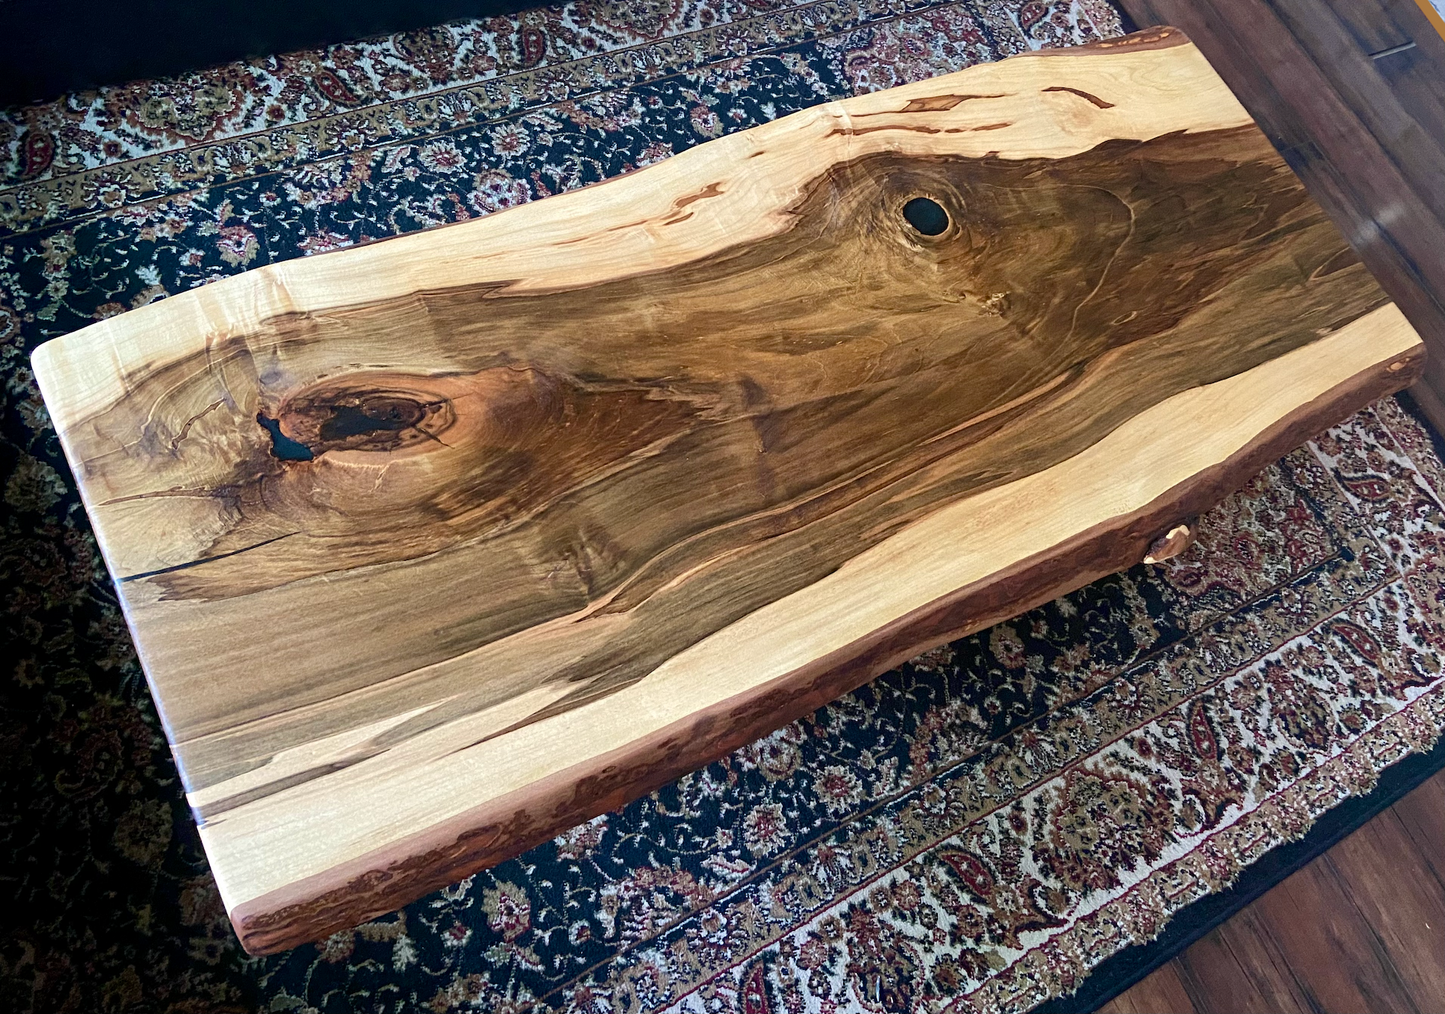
(1422, 814)
(1327, 945)
(1405, 56)
(1231, 968)
(1357, 929)
(1252, 941)
(1161, 992)
(1305, 942)
(1385, 94)
(1391, 884)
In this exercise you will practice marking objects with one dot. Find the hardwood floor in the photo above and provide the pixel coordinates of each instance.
(1361, 928)
(1352, 93)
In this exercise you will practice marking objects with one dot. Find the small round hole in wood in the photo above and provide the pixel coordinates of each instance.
(926, 215)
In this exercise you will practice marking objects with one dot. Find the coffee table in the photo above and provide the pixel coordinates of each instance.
(435, 547)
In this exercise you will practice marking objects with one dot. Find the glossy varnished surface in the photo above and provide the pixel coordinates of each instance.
(436, 547)
(653, 458)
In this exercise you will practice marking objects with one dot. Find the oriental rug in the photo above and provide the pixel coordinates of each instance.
(976, 830)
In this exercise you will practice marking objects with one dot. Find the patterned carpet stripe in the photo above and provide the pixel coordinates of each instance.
(65, 159)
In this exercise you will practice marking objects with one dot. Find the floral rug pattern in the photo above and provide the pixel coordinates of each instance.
(972, 831)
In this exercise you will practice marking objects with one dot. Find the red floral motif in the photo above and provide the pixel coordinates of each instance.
(582, 840)
(883, 967)
(838, 788)
(643, 19)
(190, 109)
(1103, 825)
(433, 51)
(755, 992)
(509, 912)
(39, 150)
(765, 829)
(494, 190)
(238, 244)
(1002, 908)
(776, 755)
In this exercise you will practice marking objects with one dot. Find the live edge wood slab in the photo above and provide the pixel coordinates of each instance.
(436, 547)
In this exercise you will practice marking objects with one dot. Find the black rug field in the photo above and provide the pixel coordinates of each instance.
(1054, 805)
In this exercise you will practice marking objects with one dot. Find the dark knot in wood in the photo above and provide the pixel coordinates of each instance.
(339, 417)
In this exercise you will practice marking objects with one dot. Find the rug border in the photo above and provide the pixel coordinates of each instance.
(1131, 965)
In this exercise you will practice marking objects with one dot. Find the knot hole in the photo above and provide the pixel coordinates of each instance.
(926, 216)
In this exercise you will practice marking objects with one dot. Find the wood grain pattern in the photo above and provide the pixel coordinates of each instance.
(435, 547)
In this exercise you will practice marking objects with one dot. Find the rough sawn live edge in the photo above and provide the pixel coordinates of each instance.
(436, 547)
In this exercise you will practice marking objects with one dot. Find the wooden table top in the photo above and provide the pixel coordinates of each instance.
(435, 547)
